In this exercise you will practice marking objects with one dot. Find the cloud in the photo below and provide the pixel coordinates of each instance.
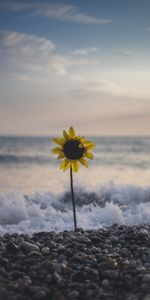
(35, 54)
(102, 87)
(26, 44)
(30, 52)
(84, 51)
(58, 11)
(124, 53)
(148, 28)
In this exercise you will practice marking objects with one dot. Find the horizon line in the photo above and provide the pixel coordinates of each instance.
(86, 134)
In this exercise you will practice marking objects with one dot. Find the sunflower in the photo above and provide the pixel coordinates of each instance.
(72, 149)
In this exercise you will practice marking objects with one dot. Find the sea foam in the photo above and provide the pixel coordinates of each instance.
(46, 211)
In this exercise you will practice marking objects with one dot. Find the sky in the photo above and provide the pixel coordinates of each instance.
(82, 63)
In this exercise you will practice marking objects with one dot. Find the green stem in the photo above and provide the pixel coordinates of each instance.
(73, 200)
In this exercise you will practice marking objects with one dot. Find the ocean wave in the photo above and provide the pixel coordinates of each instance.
(23, 159)
(12, 159)
(47, 211)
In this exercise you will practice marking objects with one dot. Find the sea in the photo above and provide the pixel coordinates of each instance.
(35, 193)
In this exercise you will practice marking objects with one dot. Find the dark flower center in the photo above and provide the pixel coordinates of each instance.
(72, 150)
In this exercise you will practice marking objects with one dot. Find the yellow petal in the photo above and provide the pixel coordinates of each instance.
(89, 146)
(64, 164)
(71, 132)
(67, 166)
(59, 141)
(66, 136)
(80, 138)
(84, 162)
(61, 155)
(89, 155)
(75, 166)
(88, 141)
(57, 150)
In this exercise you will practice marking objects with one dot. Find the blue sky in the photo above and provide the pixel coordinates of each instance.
(81, 63)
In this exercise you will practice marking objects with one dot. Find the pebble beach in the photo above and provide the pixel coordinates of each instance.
(41, 257)
(111, 263)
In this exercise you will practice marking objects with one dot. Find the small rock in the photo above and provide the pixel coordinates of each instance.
(28, 247)
(131, 297)
(84, 240)
(105, 283)
(144, 287)
(16, 274)
(41, 295)
(143, 232)
(79, 276)
(73, 295)
(95, 239)
(35, 253)
(34, 289)
(147, 297)
(146, 277)
(60, 249)
(3, 260)
(12, 247)
(62, 258)
(45, 251)
(57, 278)
(112, 274)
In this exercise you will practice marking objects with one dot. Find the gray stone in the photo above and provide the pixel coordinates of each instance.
(132, 297)
(105, 283)
(95, 239)
(40, 295)
(73, 295)
(57, 278)
(79, 276)
(84, 240)
(34, 253)
(3, 261)
(28, 247)
(147, 297)
(111, 274)
(146, 277)
(45, 251)
(12, 247)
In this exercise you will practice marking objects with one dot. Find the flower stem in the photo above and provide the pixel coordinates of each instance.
(73, 200)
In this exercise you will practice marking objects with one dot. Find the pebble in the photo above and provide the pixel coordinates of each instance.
(41, 295)
(12, 247)
(112, 274)
(3, 261)
(95, 240)
(146, 278)
(28, 247)
(147, 297)
(131, 297)
(34, 253)
(73, 295)
(106, 283)
(45, 251)
(109, 264)
(79, 276)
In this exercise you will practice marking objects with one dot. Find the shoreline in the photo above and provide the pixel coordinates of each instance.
(110, 263)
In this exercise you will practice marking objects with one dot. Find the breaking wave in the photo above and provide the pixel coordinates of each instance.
(47, 211)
